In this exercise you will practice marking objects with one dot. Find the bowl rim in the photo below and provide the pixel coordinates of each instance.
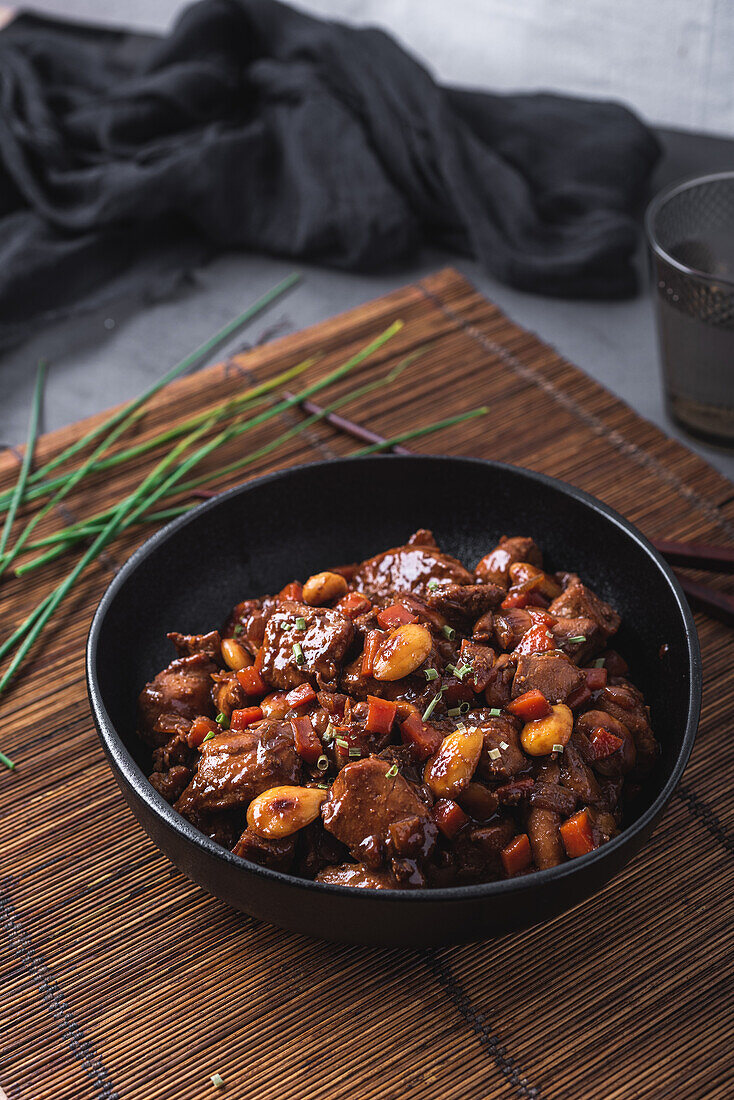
(136, 779)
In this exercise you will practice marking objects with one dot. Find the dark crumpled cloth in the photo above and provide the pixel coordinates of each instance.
(126, 159)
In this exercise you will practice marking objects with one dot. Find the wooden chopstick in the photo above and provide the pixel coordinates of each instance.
(365, 435)
(697, 555)
(717, 605)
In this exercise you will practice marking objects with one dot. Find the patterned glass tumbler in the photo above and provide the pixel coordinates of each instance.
(690, 230)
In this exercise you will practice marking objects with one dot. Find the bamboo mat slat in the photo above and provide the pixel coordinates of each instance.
(121, 980)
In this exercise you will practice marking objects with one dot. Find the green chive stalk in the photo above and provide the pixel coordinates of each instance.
(19, 490)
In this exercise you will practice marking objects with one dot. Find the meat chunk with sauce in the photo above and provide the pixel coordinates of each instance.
(500, 736)
(494, 566)
(408, 568)
(579, 602)
(462, 603)
(554, 674)
(235, 767)
(543, 826)
(310, 653)
(276, 854)
(364, 801)
(359, 875)
(181, 690)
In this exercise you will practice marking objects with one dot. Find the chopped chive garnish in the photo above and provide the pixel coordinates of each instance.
(298, 653)
(430, 674)
(7, 761)
(558, 748)
(432, 585)
(238, 630)
(329, 733)
(300, 623)
(461, 671)
(504, 745)
(449, 632)
(322, 763)
(495, 712)
(577, 638)
(599, 662)
(287, 626)
(217, 1080)
(211, 734)
(323, 785)
(222, 721)
(432, 705)
(464, 707)
(354, 751)
(494, 754)
(342, 743)
(391, 772)
(454, 712)
(451, 669)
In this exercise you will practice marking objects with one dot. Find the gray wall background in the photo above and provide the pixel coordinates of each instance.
(673, 60)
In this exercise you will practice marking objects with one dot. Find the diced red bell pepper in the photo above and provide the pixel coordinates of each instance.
(423, 739)
(353, 604)
(511, 793)
(300, 696)
(251, 680)
(538, 639)
(577, 836)
(515, 599)
(200, 727)
(307, 743)
(578, 697)
(596, 678)
(371, 645)
(449, 817)
(530, 705)
(292, 591)
(245, 717)
(540, 615)
(380, 715)
(603, 744)
(394, 615)
(517, 856)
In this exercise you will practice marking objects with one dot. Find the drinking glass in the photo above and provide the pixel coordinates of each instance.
(690, 230)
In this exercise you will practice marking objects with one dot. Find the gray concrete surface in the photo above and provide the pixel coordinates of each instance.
(109, 358)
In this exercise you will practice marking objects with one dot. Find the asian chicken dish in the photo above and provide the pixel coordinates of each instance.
(405, 722)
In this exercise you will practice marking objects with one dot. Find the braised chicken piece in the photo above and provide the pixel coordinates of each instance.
(405, 723)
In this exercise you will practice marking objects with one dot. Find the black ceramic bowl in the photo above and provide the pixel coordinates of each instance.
(255, 538)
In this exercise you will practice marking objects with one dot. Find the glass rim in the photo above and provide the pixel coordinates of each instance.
(659, 201)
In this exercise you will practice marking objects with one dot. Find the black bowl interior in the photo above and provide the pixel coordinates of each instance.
(254, 539)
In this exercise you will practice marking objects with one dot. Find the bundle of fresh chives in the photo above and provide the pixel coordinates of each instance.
(195, 357)
(154, 486)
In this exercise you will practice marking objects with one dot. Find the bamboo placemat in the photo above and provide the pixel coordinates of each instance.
(121, 980)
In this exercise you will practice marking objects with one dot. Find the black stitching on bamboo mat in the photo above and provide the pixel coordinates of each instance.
(699, 809)
(592, 421)
(81, 1047)
(461, 1000)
